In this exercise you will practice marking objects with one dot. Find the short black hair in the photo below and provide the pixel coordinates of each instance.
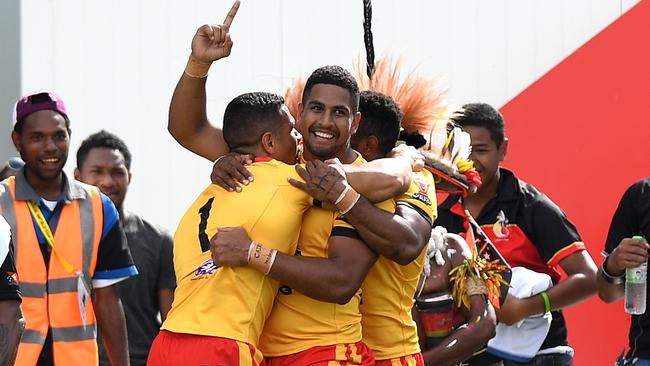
(103, 139)
(333, 75)
(249, 116)
(37, 99)
(482, 115)
(380, 117)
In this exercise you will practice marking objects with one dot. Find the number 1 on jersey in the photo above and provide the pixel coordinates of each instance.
(204, 213)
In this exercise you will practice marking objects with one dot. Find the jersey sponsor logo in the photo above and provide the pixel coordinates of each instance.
(423, 194)
(206, 269)
(500, 227)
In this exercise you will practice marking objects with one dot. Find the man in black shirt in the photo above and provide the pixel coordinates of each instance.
(527, 228)
(104, 160)
(632, 218)
(11, 318)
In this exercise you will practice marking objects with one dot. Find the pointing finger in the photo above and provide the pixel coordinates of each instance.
(231, 14)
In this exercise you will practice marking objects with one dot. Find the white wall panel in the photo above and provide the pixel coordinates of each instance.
(116, 62)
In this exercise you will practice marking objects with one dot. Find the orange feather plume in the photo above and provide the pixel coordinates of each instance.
(421, 98)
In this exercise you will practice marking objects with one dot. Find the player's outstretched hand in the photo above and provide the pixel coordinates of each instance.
(212, 42)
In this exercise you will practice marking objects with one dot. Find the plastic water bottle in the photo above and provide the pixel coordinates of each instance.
(635, 287)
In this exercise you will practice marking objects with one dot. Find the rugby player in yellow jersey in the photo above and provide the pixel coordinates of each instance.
(389, 289)
(302, 330)
(187, 113)
(218, 313)
(316, 319)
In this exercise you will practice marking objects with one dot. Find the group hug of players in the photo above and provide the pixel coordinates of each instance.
(310, 248)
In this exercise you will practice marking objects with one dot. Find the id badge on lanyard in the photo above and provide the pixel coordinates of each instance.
(82, 290)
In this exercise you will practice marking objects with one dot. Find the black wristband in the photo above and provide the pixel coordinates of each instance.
(614, 280)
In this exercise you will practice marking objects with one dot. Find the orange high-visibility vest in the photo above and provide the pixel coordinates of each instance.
(50, 297)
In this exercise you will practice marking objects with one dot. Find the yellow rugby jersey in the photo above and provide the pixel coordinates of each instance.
(389, 288)
(299, 322)
(233, 302)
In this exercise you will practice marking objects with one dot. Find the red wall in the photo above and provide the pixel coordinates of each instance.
(581, 134)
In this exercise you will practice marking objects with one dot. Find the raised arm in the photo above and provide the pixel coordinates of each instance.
(188, 122)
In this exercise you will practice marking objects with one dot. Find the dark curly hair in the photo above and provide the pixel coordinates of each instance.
(380, 117)
(249, 116)
(482, 115)
(334, 75)
(103, 139)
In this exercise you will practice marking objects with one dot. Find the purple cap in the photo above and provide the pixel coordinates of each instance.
(37, 101)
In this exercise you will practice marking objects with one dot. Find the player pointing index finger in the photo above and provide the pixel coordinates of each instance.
(231, 15)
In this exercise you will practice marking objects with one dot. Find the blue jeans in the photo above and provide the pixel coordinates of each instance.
(642, 362)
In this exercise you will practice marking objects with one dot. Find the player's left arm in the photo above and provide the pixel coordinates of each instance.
(333, 279)
(399, 237)
(559, 243)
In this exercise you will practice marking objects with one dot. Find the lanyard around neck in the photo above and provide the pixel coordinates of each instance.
(47, 233)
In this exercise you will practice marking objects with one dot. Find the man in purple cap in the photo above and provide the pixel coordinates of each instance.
(69, 246)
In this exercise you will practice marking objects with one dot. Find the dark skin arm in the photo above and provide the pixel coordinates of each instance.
(188, 122)
(399, 237)
(468, 338)
(12, 325)
(579, 285)
(378, 180)
(481, 324)
(629, 253)
(111, 322)
(333, 279)
(165, 299)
